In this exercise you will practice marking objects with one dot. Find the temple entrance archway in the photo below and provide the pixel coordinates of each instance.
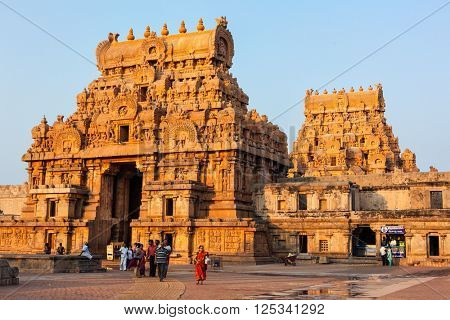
(120, 200)
(126, 201)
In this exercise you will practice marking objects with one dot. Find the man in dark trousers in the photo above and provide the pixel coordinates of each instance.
(151, 256)
(161, 260)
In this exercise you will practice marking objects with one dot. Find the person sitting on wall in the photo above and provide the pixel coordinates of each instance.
(60, 250)
(85, 251)
(47, 249)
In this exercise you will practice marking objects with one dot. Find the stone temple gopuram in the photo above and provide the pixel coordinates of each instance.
(162, 146)
(346, 133)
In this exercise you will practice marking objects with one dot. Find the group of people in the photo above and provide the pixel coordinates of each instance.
(60, 250)
(157, 254)
(158, 257)
(386, 252)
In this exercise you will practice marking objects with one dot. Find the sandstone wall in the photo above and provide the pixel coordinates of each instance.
(390, 191)
(12, 198)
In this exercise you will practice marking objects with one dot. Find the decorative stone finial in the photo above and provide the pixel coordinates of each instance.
(379, 86)
(352, 89)
(130, 35)
(325, 91)
(370, 88)
(113, 37)
(147, 32)
(316, 92)
(222, 21)
(182, 27)
(308, 92)
(200, 26)
(334, 90)
(164, 30)
(361, 88)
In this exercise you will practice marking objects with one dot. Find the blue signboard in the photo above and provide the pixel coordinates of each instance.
(393, 229)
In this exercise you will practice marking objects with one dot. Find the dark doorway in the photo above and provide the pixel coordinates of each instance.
(169, 238)
(51, 240)
(433, 246)
(126, 201)
(303, 244)
(363, 242)
(135, 196)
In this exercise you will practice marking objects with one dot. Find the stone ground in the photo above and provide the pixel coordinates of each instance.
(273, 281)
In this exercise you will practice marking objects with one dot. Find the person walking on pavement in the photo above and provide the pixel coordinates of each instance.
(169, 251)
(161, 260)
(389, 256)
(129, 257)
(123, 257)
(138, 255)
(383, 255)
(151, 258)
(201, 264)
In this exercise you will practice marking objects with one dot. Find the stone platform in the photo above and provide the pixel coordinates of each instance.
(41, 263)
(8, 274)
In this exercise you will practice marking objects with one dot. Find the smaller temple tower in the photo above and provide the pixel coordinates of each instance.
(345, 133)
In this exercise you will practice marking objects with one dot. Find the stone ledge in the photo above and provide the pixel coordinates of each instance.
(41, 263)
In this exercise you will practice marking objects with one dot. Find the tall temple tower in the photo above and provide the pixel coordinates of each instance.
(346, 133)
(161, 145)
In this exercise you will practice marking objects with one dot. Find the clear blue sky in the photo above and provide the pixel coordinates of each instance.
(281, 49)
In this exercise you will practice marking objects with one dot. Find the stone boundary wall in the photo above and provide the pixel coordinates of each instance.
(12, 198)
(377, 180)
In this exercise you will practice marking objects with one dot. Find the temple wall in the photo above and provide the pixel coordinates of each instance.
(385, 200)
(20, 237)
(391, 191)
(233, 240)
(12, 198)
(335, 228)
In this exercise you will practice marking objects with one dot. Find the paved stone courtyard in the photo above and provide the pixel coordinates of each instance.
(274, 281)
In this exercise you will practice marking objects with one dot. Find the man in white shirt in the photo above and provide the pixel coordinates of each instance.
(169, 250)
(383, 255)
(85, 251)
(123, 257)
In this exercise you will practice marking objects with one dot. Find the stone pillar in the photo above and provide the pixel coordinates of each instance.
(442, 251)
(378, 241)
(408, 243)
